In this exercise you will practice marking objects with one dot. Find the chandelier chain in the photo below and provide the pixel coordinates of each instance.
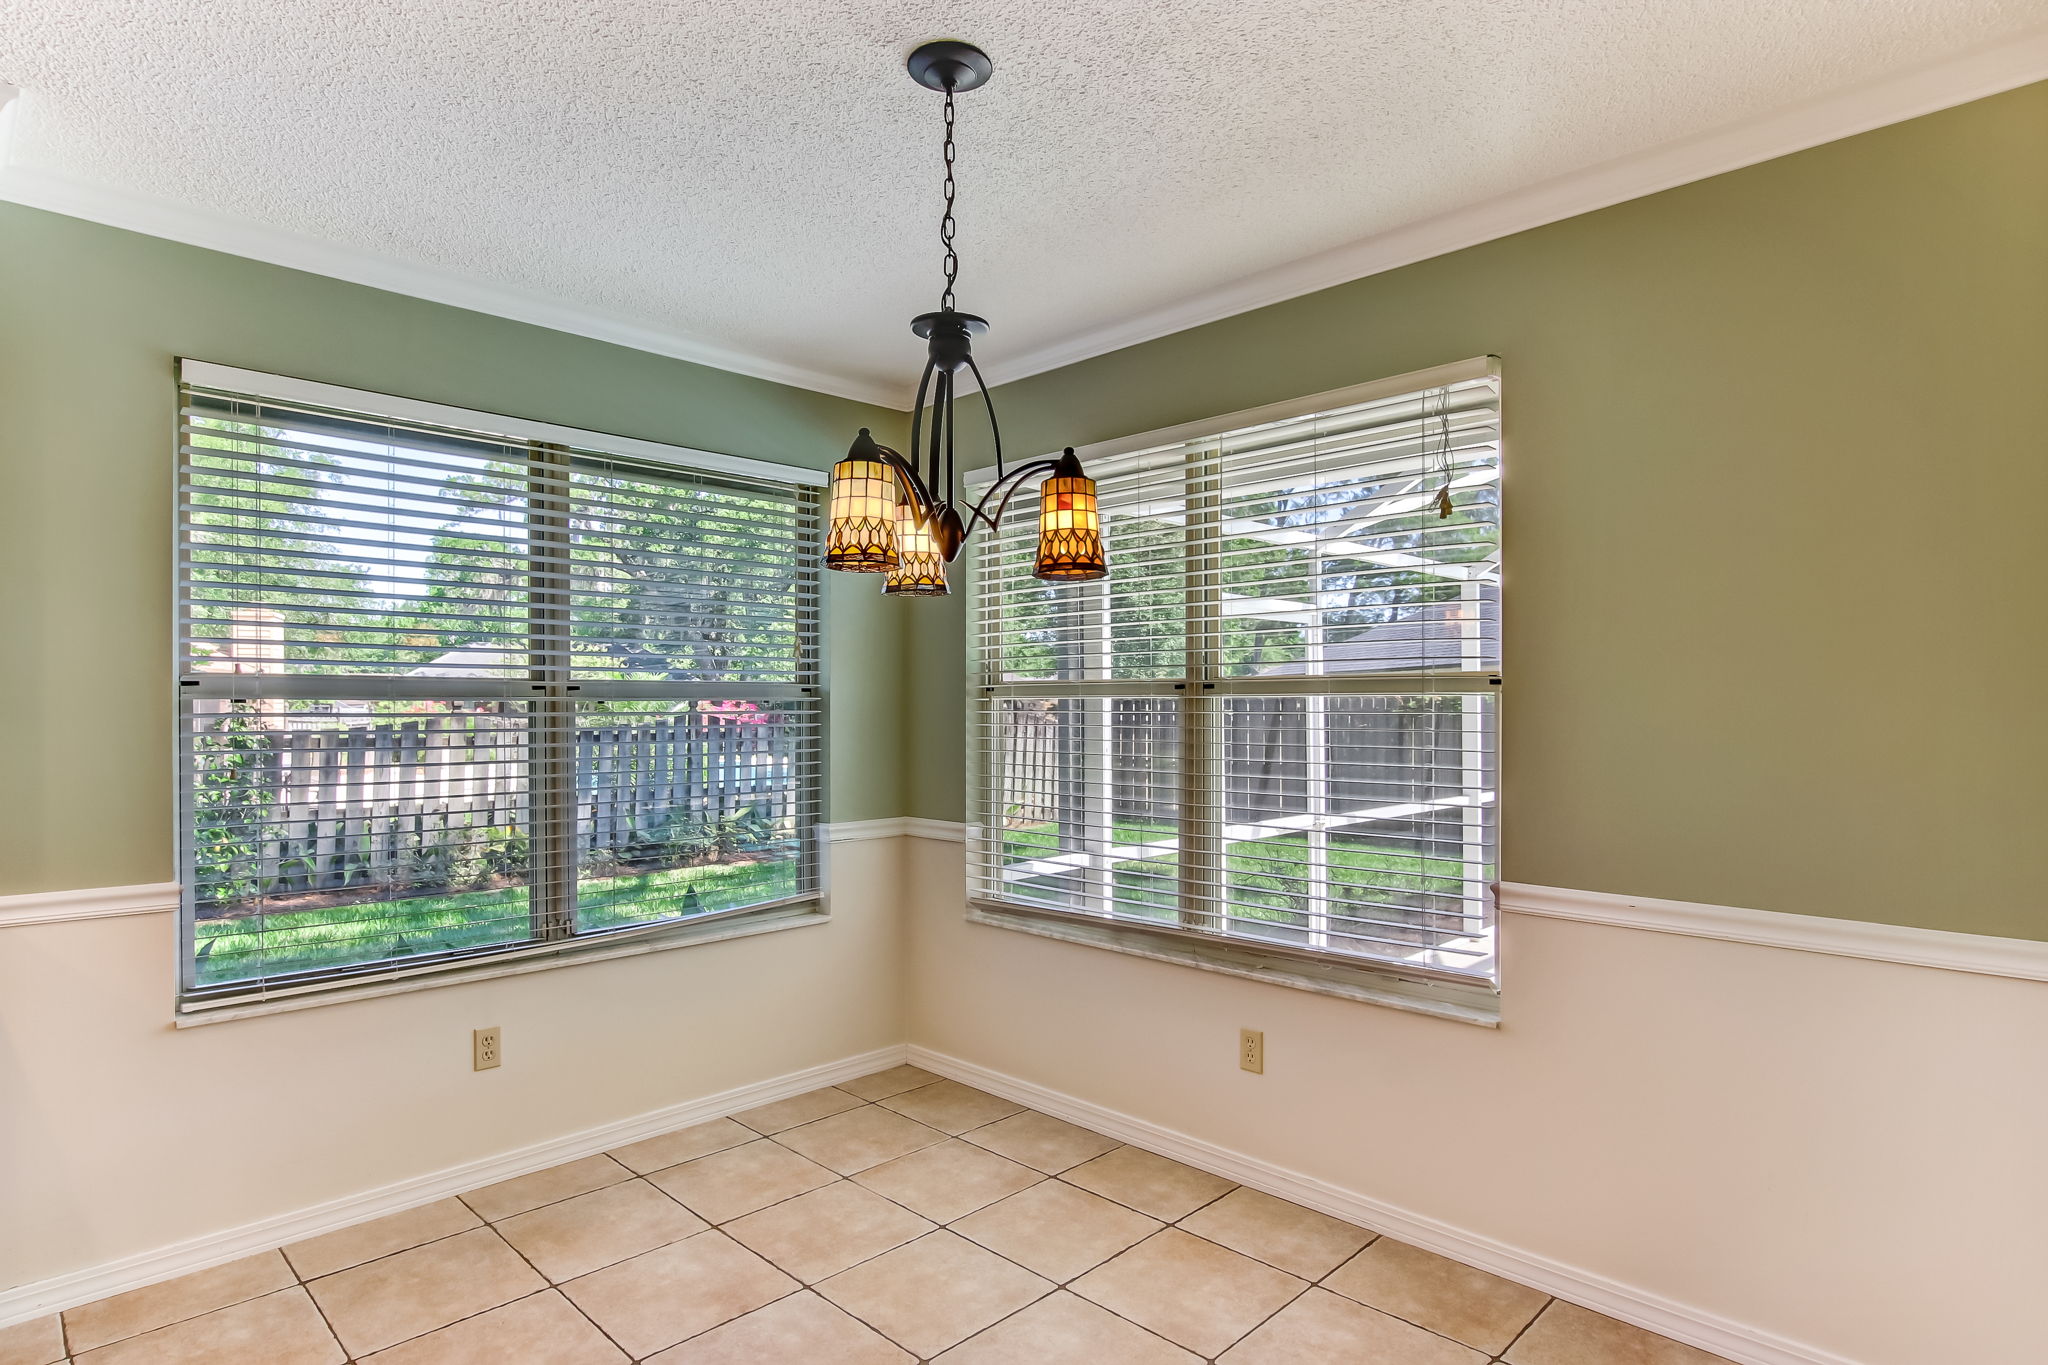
(946, 220)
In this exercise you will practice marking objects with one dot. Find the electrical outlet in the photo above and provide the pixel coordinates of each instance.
(1251, 1050)
(484, 1052)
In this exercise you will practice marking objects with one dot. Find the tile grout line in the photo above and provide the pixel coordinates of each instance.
(463, 1197)
(1375, 1239)
(547, 1283)
(64, 1328)
(307, 1289)
(1292, 1299)
(1516, 1339)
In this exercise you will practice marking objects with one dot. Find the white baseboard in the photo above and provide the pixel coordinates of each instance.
(1681, 1322)
(23, 1302)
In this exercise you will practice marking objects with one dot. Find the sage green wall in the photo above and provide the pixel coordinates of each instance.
(1775, 570)
(90, 320)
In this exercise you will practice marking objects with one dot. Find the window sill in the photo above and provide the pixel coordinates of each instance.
(1369, 983)
(655, 939)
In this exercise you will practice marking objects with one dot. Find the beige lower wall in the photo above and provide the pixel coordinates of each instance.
(120, 1134)
(1841, 1152)
(1836, 1151)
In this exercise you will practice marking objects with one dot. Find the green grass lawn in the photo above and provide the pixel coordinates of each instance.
(375, 931)
(1264, 877)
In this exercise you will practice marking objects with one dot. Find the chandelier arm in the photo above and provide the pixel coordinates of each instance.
(949, 440)
(1015, 479)
(907, 479)
(941, 400)
(923, 383)
(988, 405)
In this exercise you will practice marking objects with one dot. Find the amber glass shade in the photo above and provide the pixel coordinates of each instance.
(1069, 527)
(920, 569)
(861, 535)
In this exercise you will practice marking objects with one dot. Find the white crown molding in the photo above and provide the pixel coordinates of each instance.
(92, 902)
(1989, 70)
(2022, 959)
(1737, 1341)
(59, 1292)
(1986, 71)
(215, 231)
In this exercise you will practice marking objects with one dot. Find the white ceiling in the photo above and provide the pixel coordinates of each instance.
(756, 182)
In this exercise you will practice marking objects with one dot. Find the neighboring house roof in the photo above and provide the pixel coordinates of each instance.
(471, 661)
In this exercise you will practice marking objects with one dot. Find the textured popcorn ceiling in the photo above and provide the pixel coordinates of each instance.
(761, 174)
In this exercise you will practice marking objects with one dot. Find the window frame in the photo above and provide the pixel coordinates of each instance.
(1204, 689)
(554, 940)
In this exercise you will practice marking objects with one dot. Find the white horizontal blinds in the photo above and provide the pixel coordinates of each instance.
(444, 695)
(1080, 804)
(1360, 824)
(1072, 785)
(326, 837)
(1334, 558)
(698, 577)
(693, 807)
(695, 594)
(353, 616)
(322, 545)
(1276, 720)
(1127, 626)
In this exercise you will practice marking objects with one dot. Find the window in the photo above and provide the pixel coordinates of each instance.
(473, 687)
(1266, 743)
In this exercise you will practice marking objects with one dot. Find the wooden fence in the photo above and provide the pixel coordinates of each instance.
(306, 803)
(1380, 750)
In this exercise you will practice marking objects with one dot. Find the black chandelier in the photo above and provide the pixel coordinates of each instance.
(899, 516)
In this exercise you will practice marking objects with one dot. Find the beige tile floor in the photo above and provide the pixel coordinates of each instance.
(893, 1219)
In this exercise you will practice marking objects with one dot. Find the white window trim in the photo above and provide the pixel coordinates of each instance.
(286, 389)
(652, 938)
(1440, 995)
(808, 908)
